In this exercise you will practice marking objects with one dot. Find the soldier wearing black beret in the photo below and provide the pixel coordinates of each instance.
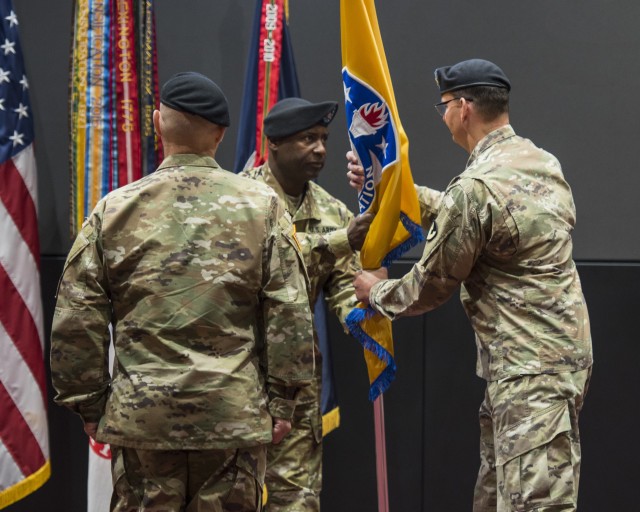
(501, 232)
(192, 265)
(196, 94)
(193, 115)
(297, 132)
(478, 82)
(292, 115)
(471, 73)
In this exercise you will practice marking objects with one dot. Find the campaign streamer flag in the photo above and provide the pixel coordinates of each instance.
(24, 438)
(271, 76)
(382, 148)
(113, 93)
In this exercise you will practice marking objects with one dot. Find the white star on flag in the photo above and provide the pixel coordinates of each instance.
(347, 90)
(383, 146)
(17, 138)
(21, 111)
(24, 82)
(8, 47)
(13, 19)
(4, 76)
(2, 104)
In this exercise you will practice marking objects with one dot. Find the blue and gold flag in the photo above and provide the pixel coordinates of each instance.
(382, 148)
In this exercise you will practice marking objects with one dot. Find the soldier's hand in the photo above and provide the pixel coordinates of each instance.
(355, 172)
(358, 229)
(280, 430)
(364, 281)
(91, 429)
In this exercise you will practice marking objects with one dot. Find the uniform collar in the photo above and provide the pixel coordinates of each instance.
(189, 160)
(494, 137)
(307, 209)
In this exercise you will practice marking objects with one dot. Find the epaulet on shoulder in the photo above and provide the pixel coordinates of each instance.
(251, 173)
(323, 194)
(470, 189)
(259, 187)
(467, 183)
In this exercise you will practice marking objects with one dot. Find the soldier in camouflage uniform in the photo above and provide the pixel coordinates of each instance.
(329, 235)
(200, 275)
(502, 231)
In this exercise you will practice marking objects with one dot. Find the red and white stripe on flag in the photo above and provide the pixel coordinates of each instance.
(99, 485)
(24, 438)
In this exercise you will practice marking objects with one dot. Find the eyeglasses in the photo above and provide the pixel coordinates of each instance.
(441, 108)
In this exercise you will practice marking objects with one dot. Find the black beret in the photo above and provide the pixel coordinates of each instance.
(292, 115)
(196, 94)
(471, 73)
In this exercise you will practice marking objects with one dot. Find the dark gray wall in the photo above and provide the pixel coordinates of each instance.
(574, 66)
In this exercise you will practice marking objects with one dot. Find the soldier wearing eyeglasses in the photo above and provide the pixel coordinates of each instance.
(501, 232)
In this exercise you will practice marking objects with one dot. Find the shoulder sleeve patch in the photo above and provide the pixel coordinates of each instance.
(433, 231)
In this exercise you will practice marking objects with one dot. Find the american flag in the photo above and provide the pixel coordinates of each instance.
(24, 439)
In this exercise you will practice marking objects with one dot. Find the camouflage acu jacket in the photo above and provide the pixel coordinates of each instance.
(193, 267)
(503, 232)
(321, 226)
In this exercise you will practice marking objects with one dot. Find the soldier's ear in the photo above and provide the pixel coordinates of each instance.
(156, 122)
(273, 145)
(220, 134)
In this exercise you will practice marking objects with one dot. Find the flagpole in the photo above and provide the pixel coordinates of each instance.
(381, 146)
(381, 455)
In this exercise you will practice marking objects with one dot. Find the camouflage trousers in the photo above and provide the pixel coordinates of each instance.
(189, 480)
(294, 467)
(530, 443)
